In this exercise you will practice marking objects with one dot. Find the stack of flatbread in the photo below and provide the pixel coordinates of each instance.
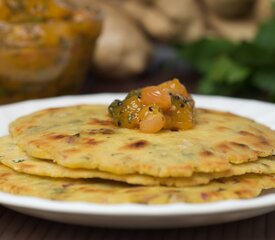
(76, 154)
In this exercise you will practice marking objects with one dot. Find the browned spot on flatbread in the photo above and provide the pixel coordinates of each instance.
(71, 151)
(67, 185)
(204, 196)
(244, 193)
(91, 141)
(272, 178)
(57, 136)
(240, 145)
(26, 165)
(222, 128)
(263, 140)
(223, 147)
(206, 153)
(140, 144)
(38, 142)
(245, 133)
(104, 131)
(96, 121)
(260, 139)
(70, 139)
(3, 175)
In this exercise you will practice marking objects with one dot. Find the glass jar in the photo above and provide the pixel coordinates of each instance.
(44, 53)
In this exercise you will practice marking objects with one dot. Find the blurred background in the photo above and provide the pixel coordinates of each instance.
(53, 47)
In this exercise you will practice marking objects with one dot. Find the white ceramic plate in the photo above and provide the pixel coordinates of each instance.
(134, 215)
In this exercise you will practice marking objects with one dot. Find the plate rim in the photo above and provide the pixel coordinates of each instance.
(165, 210)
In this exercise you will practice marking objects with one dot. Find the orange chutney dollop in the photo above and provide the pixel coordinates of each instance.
(165, 106)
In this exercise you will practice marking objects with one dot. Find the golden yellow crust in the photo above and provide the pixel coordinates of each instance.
(242, 187)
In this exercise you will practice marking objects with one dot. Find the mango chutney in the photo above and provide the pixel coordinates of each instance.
(45, 48)
(166, 106)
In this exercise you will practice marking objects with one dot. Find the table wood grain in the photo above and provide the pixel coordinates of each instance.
(18, 226)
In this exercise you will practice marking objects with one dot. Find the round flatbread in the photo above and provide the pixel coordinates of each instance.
(13, 157)
(83, 136)
(108, 192)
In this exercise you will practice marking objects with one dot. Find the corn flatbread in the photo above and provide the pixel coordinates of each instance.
(241, 187)
(83, 136)
(13, 157)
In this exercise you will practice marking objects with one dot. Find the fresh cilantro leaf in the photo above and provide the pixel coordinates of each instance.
(224, 69)
(202, 53)
(18, 160)
(253, 55)
(266, 36)
(265, 81)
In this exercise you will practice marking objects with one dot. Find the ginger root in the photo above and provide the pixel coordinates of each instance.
(122, 50)
(168, 20)
(231, 8)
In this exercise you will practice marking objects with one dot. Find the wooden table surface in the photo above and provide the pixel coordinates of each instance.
(17, 226)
